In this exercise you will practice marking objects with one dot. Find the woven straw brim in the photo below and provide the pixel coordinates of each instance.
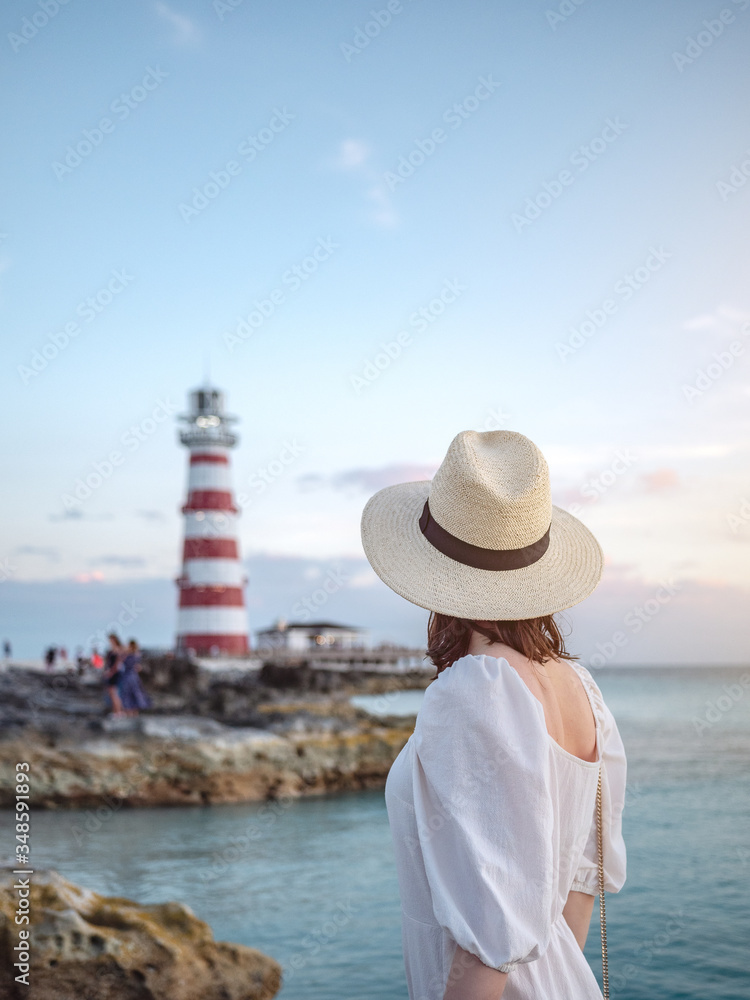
(403, 558)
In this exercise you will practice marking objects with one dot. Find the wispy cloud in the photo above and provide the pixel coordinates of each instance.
(44, 552)
(383, 214)
(565, 458)
(185, 30)
(75, 514)
(724, 317)
(368, 480)
(717, 449)
(355, 156)
(114, 560)
(703, 322)
(732, 315)
(150, 515)
(352, 153)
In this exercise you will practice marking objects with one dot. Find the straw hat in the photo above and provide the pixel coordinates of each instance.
(482, 540)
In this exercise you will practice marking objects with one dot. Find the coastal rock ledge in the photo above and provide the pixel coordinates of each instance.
(187, 760)
(90, 947)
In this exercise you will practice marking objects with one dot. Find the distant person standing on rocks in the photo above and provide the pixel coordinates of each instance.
(132, 695)
(112, 672)
(7, 653)
(49, 659)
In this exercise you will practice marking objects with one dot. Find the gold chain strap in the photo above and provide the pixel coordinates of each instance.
(602, 915)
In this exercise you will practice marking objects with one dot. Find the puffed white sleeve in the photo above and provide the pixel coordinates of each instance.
(484, 812)
(614, 778)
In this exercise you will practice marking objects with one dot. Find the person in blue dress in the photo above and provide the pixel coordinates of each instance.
(130, 689)
(113, 673)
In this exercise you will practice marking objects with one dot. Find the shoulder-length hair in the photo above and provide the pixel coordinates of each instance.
(538, 639)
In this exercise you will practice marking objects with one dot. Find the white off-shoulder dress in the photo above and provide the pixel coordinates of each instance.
(493, 823)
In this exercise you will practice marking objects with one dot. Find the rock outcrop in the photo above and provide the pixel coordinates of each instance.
(90, 947)
(251, 741)
(166, 760)
(63, 702)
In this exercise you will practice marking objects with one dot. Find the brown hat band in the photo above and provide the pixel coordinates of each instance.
(475, 555)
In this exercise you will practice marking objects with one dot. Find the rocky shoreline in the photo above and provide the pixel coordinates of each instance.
(84, 946)
(231, 737)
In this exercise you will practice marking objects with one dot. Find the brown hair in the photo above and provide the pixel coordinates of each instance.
(538, 639)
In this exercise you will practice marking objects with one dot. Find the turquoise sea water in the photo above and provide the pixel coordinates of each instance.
(313, 884)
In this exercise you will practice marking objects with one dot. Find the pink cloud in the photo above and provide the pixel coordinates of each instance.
(660, 479)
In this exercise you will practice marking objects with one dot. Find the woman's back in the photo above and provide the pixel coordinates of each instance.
(494, 824)
(556, 684)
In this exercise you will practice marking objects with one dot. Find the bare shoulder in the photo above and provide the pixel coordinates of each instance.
(518, 661)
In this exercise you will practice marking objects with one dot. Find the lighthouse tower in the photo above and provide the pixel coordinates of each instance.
(212, 618)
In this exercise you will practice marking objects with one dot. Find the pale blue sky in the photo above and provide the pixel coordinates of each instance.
(491, 359)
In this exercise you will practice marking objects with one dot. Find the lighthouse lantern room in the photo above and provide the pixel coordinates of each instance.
(212, 619)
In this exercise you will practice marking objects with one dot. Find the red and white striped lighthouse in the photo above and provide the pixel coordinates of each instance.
(212, 619)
